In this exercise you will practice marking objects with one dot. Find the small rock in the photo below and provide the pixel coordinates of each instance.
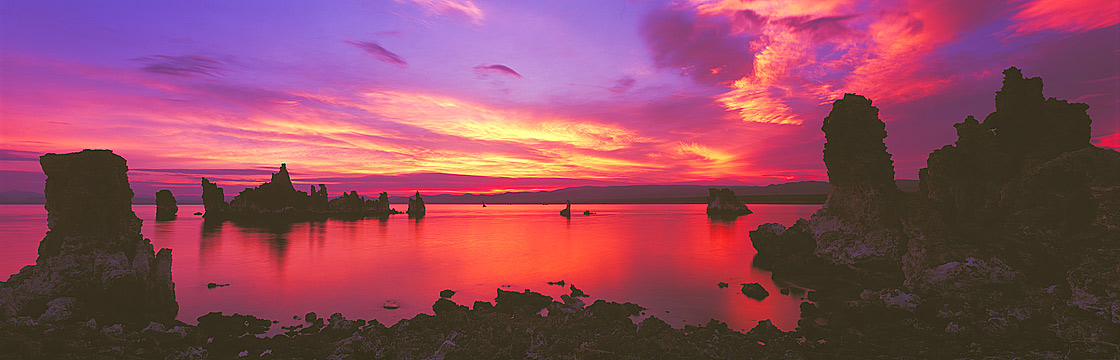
(446, 294)
(198, 213)
(561, 282)
(784, 291)
(755, 291)
(390, 304)
(723, 285)
(214, 285)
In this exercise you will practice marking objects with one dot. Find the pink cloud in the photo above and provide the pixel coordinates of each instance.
(465, 9)
(1064, 15)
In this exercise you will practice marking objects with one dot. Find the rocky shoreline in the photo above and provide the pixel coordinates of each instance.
(1010, 250)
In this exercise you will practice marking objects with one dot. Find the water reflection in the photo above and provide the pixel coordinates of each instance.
(664, 257)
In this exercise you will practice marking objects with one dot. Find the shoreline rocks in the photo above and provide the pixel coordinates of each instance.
(994, 254)
(93, 261)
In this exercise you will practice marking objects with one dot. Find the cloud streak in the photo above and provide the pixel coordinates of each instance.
(485, 70)
(184, 66)
(380, 53)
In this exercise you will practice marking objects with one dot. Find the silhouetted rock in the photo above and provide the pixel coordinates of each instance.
(755, 291)
(213, 201)
(446, 293)
(416, 206)
(567, 212)
(524, 302)
(94, 256)
(858, 224)
(1009, 247)
(279, 201)
(723, 285)
(722, 203)
(215, 285)
(166, 207)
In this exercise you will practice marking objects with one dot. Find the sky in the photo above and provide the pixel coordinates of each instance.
(478, 96)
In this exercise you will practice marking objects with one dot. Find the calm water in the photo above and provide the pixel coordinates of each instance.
(663, 257)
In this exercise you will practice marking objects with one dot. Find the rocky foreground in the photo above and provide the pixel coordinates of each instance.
(1010, 250)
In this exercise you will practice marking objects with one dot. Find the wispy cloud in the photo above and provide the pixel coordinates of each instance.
(455, 9)
(185, 65)
(380, 53)
(484, 70)
(1064, 15)
(622, 85)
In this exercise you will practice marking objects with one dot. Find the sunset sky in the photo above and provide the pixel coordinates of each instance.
(453, 96)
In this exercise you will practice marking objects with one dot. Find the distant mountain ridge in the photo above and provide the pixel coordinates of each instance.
(800, 192)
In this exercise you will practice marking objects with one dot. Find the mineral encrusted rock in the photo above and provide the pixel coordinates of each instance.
(1009, 248)
(278, 201)
(416, 206)
(93, 260)
(858, 224)
(722, 203)
(166, 207)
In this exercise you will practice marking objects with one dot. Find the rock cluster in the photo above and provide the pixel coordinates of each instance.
(1002, 251)
(722, 203)
(93, 262)
(166, 207)
(278, 201)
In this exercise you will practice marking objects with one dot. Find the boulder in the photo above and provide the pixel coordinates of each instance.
(755, 291)
(166, 207)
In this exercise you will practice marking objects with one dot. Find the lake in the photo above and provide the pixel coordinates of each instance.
(667, 258)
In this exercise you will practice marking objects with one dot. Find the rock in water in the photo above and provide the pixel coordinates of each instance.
(416, 206)
(567, 212)
(722, 203)
(94, 252)
(166, 207)
(213, 201)
(755, 291)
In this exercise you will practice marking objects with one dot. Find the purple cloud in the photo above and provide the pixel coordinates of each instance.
(703, 47)
(501, 69)
(185, 65)
(380, 53)
(622, 85)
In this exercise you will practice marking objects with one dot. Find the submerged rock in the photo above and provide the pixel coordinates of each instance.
(722, 203)
(166, 207)
(94, 256)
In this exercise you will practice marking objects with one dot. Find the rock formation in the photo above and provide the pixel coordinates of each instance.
(166, 207)
(858, 224)
(722, 203)
(1003, 246)
(567, 212)
(93, 260)
(416, 206)
(279, 201)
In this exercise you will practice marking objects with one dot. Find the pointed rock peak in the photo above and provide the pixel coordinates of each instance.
(282, 179)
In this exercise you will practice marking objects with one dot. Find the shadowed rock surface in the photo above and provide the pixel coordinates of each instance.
(1001, 253)
(166, 207)
(93, 262)
(722, 203)
(279, 201)
(567, 212)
